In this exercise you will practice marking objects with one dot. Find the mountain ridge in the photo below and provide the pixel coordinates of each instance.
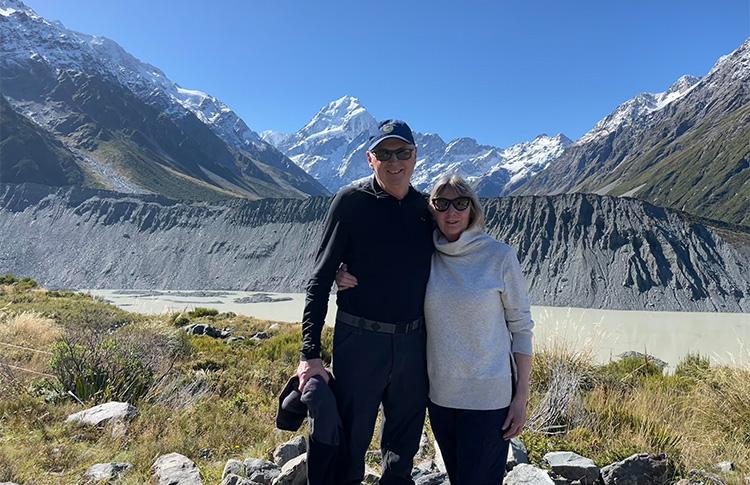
(580, 250)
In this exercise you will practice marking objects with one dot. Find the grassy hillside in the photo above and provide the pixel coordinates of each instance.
(212, 400)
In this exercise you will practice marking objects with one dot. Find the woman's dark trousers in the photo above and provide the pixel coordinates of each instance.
(471, 444)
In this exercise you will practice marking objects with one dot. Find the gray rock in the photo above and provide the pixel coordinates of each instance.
(233, 479)
(274, 327)
(8, 483)
(232, 467)
(206, 330)
(524, 474)
(637, 469)
(654, 360)
(517, 454)
(102, 414)
(423, 452)
(294, 472)
(260, 336)
(432, 479)
(724, 466)
(102, 472)
(372, 477)
(573, 466)
(700, 477)
(291, 449)
(176, 469)
(439, 463)
(426, 467)
(261, 471)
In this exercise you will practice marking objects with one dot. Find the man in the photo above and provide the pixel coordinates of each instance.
(382, 230)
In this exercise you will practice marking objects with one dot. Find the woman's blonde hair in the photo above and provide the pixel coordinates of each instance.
(462, 189)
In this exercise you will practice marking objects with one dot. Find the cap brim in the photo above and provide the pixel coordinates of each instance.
(386, 137)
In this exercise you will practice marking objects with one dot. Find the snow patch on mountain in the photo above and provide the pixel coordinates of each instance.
(331, 147)
(634, 109)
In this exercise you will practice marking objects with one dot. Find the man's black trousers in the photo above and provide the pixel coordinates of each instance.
(373, 368)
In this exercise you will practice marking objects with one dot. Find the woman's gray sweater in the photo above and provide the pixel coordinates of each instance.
(477, 312)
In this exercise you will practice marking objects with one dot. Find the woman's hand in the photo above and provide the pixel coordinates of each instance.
(344, 279)
(516, 420)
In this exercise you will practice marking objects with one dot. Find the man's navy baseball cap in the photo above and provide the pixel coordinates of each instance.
(391, 129)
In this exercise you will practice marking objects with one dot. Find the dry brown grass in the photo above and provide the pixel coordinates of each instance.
(25, 339)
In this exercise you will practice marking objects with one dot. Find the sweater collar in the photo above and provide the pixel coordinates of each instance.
(469, 240)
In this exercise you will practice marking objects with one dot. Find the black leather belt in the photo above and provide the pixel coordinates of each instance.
(382, 327)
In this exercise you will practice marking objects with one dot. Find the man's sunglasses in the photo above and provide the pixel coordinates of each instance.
(384, 155)
(441, 204)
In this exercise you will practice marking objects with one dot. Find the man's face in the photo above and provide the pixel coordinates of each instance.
(392, 173)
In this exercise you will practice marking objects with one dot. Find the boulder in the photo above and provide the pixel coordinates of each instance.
(233, 479)
(260, 336)
(637, 469)
(655, 360)
(524, 474)
(176, 469)
(104, 472)
(699, 477)
(291, 449)
(372, 477)
(724, 467)
(260, 471)
(294, 472)
(206, 330)
(439, 463)
(573, 466)
(233, 467)
(102, 414)
(437, 478)
(517, 454)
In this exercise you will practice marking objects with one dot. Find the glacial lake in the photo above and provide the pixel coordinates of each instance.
(723, 337)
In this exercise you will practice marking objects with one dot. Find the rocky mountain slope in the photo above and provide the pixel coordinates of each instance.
(579, 250)
(331, 147)
(130, 127)
(692, 153)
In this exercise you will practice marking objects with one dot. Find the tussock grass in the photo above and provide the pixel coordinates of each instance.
(213, 400)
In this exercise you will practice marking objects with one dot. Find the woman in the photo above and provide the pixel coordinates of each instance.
(478, 328)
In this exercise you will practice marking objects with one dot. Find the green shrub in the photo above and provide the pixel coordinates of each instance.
(203, 312)
(25, 284)
(629, 370)
(179, 319)
(100, 366)
(7, 279)
(693, 366)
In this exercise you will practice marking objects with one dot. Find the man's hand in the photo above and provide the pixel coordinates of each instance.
(308, 368)
(344, 279)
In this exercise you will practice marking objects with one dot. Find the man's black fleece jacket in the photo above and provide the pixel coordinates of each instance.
(386, 243)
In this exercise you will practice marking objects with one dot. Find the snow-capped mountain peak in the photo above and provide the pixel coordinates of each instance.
(331, 147)
(345, 116)
(62, 48)
(635, 108)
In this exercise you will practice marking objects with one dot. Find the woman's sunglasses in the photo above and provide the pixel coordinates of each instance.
(441, 204)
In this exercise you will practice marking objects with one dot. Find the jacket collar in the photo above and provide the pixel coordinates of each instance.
(380, 193)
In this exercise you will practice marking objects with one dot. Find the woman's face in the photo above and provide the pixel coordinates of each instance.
(451, 222)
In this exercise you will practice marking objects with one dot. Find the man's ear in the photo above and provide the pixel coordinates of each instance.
(369, 159)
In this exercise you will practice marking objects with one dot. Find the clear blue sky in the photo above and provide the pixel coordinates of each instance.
(499, 71)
